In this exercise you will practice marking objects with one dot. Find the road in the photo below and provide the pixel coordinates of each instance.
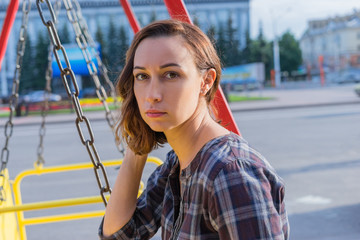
(316, 150)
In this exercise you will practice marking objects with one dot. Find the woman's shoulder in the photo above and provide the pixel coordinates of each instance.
(232, 153)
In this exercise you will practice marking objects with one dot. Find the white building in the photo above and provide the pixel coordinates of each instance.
(98, 12)
(337, 39)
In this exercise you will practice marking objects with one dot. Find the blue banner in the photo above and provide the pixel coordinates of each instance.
(76, 58)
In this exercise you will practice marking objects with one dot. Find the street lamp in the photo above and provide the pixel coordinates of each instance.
(277, 62)
(276, 50)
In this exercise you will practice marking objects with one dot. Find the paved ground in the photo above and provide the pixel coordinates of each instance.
(292, 97)
(298, 96)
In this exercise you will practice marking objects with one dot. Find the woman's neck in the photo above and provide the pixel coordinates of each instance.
(187, 139)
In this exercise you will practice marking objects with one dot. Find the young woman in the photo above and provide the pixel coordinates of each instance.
(212, 185)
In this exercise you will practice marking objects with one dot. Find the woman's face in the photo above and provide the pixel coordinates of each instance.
(166, 82)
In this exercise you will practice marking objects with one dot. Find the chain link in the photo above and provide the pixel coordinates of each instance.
(45, 107)
(91, 42)
(13, 99)
(84, 40)
(99, 168)
(84, 46)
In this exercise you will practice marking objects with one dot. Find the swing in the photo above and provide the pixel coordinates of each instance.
(13, 225)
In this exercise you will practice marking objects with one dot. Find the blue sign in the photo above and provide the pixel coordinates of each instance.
(244, 74)
(76, 59)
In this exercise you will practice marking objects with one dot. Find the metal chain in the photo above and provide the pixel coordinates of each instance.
(102, 67)
(45, 107)
(67, 72)
(103, 70)
(83, 45)
(13, 100)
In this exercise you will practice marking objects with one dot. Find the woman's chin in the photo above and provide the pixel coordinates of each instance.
(157, 127)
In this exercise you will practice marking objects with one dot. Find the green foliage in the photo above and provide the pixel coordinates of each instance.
(153, 16)
(117, 45)
(196, 21)
(221, 45)
(247, 51)
(112, 47)
(27, 67)
(124, 44)
(64, 34)
(232, 45)
(41, 61)
(290, 53)
(99, 37)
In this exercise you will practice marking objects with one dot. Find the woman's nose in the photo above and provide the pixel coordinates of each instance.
(154, 91)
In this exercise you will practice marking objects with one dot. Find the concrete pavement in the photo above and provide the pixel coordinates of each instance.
(280, 98)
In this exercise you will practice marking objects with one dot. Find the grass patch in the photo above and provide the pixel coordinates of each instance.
(238, 98)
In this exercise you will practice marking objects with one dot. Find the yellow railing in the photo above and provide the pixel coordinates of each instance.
(19, 207)
(8, 226)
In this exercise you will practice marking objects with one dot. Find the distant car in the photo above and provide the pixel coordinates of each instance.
(39, 96)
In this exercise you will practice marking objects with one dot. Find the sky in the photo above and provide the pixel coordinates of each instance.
(293, 15)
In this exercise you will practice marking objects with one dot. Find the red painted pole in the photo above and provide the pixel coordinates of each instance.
(8, 23)
(130, 15)
(322, 73)
(177, 10)
(272, 77)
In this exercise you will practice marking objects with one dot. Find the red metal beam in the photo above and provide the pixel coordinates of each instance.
(130, 15)
(8, 23)
(177, 10)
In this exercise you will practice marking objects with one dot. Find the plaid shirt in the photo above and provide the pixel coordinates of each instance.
(229, 191)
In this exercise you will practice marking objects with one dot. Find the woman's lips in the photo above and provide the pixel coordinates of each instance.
(154, 113)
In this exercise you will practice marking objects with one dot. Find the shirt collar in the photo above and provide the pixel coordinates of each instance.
(194, 164)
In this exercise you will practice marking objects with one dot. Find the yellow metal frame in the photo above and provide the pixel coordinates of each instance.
(19, 207)
(8, 225)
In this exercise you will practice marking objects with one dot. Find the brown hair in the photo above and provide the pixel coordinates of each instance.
(137, 134)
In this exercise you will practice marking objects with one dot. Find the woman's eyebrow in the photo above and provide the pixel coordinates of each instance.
(162, 66)
(170, 65)
(137, 67)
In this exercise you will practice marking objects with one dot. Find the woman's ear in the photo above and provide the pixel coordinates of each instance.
(208, 80)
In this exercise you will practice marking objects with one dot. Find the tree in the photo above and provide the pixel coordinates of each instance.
(232, 49)
(211, 32)
(246, 53)
(124, 44)
(113, 47)
(41, 61)
(99, 37)
(221, 45)
(196, 21)
(27, 67)
(64, 34)
(257, 47)
(152, 16)
(290, 53)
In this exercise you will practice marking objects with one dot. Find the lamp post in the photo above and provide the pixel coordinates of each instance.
(276, 49)
(277, 62)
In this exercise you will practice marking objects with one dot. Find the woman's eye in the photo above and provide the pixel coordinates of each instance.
(140, 76)
(171, 75)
